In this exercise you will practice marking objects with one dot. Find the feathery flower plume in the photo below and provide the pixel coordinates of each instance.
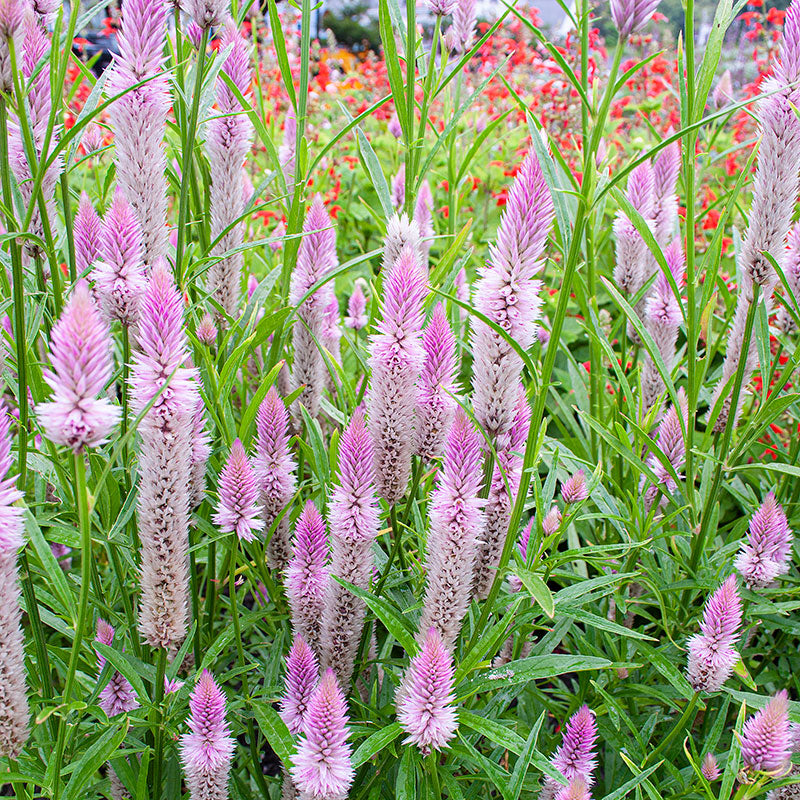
(666, 169)
(775, 189)
(394, 127)
(423, 216)
(723, 91)
(457, 523)
(630, 270)
(401, 232)
(791, 271)
(316, 258)
(552, 521)
(86, 228)
(765, 553)
(331, 334)
(307, 576)
(302, 675)
(322, 768)
(788, 70)
(354, 521)
(80, 354)
(502, 494)
(201, 449)
(207, 751)
(237, 509)
(461, 33)
(396, 361)
(630, 16)
(710, 768)
(165, 454)
(139, 119)
(672, 445)
(575, 790)
(425, 699)
(507, 292)
(11, 16)
(205, 13)
(436, 405)
(441, 8)
(357, 309)
(207, 330)
(117, 695)
(399, 188)
(662, 320)
(35, 69)
(229, 137)
(462, 291)
(574, 489)
(275, 475)
(287, 151)
(712, 655)
(766, 741)
(575, 757)
(119, 277)
(14, 710)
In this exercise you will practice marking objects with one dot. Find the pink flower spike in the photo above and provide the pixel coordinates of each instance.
(322, 767)
(207, 330)
(307, 575)
(237, 509)
(436, 405)
(425, 697)
(575, 790)
(275, 475)
(712, 655)
(710, 768)
(302, 675)
(574, 489)
(80, 354)
(766, 741)
(552, 521)
(86, 233)
(117, 696)
(356, 309)
(765, 552)
(207, 751)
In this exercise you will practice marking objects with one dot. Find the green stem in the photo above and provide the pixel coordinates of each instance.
(678, 727)
(157, 719)
(188, 150)
(698, 545)
(211, 587)
(411, 82)
(82, 502)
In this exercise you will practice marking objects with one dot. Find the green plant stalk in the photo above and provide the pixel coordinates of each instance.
(251, 731)
(427, 93)
(411, 83)
(676, 729)
(157, 720)
(82, 502)
(188, 151)
(570, 268)
(67, 204)
(126, 359)
(698, 545)
(211, 587)
(432, 764)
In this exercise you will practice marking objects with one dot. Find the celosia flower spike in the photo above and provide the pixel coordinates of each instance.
(574, 489)
(207, 751)
(356, 309)
(80, 354)
(766, 741)
(322, 768)
(672, 445)
(307, 576)
(237, 509)
(710, 768)
(712, 655)
(507, 292)
(354, 522)
(766, 550)
(425, 699)
(630, 16)
(302, 675)
(457, 523)
(86, 234)
(575, 757)
(275, 475)
(396, 361)
(14, 709)
(117, 696)
(436, 405)
(316, 258)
